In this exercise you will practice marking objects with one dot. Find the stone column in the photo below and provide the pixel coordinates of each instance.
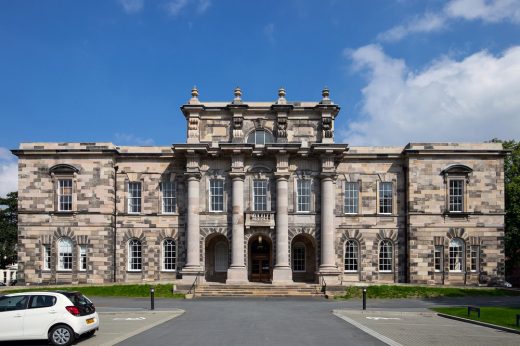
(237, 273)
(328, 268)
(282, 272)
(192, 266)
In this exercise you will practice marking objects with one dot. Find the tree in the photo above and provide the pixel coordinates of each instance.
(8, 229)
(512, 189)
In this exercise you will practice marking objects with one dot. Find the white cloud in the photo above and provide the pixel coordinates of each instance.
(8, 172)
(132, 6)
(203, 5)
(175, 7)
(130, 139)
(475, 99)
(269, 32)
(485, 10)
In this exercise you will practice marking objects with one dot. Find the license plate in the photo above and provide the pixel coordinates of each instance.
(90, 321)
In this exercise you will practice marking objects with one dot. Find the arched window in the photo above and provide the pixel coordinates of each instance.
(456, 253)
(298, 257)
(65, 254)
(169, 255)
(221, 256)
(134, 255)
(260, 137)
(385, 255)
(351, 256)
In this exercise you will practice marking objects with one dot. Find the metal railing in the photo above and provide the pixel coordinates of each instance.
(195, 284)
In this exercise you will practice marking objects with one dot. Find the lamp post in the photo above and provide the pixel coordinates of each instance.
(364, 298)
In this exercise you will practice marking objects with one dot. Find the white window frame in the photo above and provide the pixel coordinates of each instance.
(260, 194)
(386, 201)
(65, 193)
(169, 197)
(300, 202)
(456, 255)
(216, 199)
(221, 257)
(351, 256)
(474, 256)
(255, 135)
(296, 248)
(456, 195)
(386, 256)
(46, 257)
(82, 258)
(134, 197)
(135, 255)
(65, 254)
(438, 257)
(169, 255)
(351, 197)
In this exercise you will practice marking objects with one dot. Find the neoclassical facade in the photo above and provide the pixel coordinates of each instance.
(261, 191)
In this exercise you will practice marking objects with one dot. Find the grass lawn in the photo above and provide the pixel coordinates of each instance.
(161, 291)
(396, 291)
(501, 316)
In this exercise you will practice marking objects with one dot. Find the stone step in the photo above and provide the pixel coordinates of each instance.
(258, 290)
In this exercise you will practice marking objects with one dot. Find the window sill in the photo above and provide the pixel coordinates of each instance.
(134, 271)
(456, 214)
(351, 272)
(64, 213)
(386, 271)
(168, 270)
(64, 271)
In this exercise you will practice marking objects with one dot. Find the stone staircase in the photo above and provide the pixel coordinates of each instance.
(258, 290)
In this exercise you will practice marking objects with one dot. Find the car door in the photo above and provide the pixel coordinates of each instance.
(39, 316)
(12, 313)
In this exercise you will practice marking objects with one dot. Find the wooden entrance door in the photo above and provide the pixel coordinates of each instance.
(260, 260)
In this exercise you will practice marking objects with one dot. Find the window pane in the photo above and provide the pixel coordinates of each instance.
(385, 197)
(385, 255)
(260, 195)
(456, 252)
(169, 255)
(474, 255)
(134, 255)
(456, 196)
(351, 198)
(437, 257)
(134, 197)
(303, 195)
(46, 256)
(216, 194)
(83, 257)
(65, 194)
(65, 254)
(169, 197)
(298, 258)
(351, 256)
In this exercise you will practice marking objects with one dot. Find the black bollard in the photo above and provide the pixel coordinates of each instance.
(364, 298)
(152, 300)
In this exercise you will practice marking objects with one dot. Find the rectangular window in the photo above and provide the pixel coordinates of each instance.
(216, 195)
(299, 258)
(169, 197)
(46, 256)
(474, 255)
(351, 198)
(456, 196)
(65, 195)
(385, 197)
(134, 197)
(260, 195)
(169, 259)
(303, 189)
(83, 257)
(438, 258)
(351, 256)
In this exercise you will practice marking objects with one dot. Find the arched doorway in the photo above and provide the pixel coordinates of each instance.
(260, 258)
(303, 258)
(216, 258)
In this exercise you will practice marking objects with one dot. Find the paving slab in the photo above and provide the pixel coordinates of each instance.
(424, 328)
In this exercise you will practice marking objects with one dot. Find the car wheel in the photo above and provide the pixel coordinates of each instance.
(61, 335)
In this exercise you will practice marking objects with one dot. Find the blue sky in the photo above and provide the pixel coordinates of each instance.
(118, 70)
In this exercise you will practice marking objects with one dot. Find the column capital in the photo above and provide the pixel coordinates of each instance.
(192, 175)
(282, 175)
(327, 175)
(237, 175)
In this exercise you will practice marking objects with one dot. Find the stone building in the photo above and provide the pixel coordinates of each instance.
(260, 191)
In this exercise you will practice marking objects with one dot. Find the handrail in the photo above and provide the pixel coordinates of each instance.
(195, 283)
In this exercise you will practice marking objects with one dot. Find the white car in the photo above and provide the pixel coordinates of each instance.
(60, 317)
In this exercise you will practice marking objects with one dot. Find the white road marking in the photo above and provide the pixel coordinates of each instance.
(382, 318)
(129, 318)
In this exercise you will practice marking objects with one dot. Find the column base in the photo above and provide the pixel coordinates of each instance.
(190, 273)
(237, 275)
(282, 275)
(330, 275)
